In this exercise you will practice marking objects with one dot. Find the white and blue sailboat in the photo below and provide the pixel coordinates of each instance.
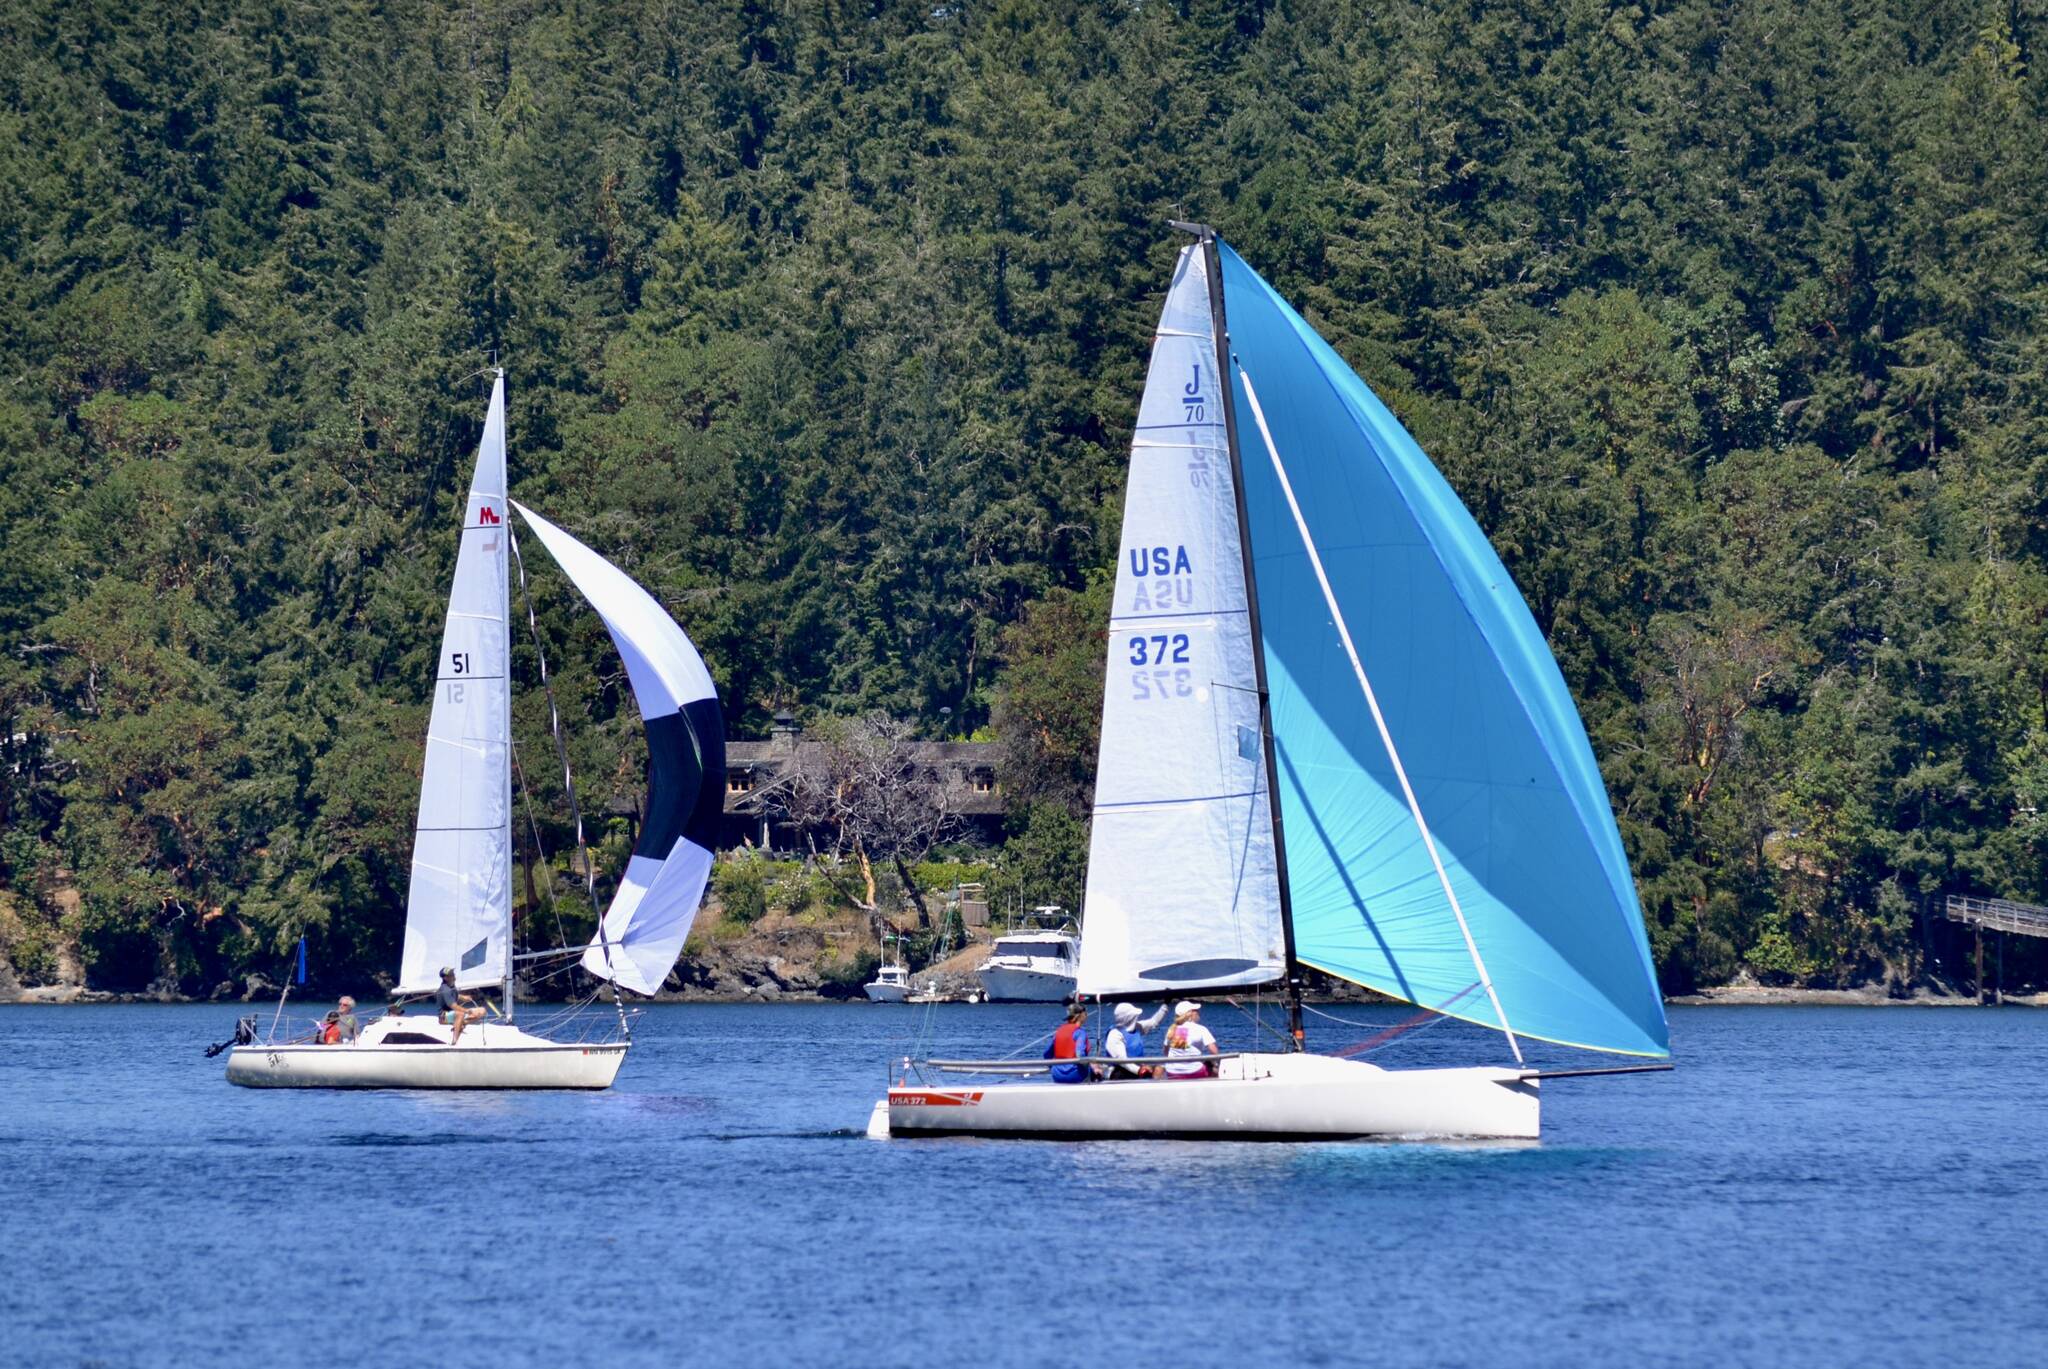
(459, 905)
(1305, 612)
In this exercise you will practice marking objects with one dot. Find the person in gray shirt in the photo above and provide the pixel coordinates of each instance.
(458, 1009)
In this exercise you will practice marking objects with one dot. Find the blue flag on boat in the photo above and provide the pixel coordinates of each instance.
(302, 960)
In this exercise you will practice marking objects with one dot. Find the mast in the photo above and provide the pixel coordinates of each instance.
(1212, 262)
(506, 495)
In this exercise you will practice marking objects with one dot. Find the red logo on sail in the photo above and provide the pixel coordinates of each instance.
(486, 515)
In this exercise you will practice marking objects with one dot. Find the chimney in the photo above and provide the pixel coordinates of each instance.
(782, 736)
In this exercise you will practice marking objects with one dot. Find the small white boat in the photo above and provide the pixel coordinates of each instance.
(459, 905)
(1264, 805)
(891, 984)
(1030, 967)
(414, 1053)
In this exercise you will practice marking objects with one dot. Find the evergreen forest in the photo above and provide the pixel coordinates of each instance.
(827, 321)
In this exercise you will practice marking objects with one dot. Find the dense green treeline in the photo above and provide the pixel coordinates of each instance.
(828, 320)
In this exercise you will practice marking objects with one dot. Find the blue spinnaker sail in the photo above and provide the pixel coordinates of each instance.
(1476, 706)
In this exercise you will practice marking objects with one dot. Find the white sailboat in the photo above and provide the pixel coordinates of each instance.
(1320, 621)
(459, 907)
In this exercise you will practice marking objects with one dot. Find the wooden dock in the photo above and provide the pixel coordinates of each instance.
(1998, 915)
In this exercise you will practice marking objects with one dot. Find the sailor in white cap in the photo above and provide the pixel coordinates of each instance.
(1127, 1042)
(1187, 1036)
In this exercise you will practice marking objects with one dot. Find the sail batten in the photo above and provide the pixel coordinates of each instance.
(642, 932)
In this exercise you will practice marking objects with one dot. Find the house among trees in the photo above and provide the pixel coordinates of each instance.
(770, 785)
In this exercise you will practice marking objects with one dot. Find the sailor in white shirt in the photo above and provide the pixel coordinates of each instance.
(1187, 1036)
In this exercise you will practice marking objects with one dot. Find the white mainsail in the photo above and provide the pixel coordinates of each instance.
(459, 910)
(650, 915)
(1182, 890)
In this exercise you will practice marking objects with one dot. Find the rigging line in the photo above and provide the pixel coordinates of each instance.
(1419, 1023)
(540, 854)
(1379, 719)
(1428, 1017)
(552, 953)
(555, 973)
(931, 1009)
(568, 780)
(1258, 1023)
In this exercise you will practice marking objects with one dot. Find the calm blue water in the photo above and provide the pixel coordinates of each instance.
(1813, 1186)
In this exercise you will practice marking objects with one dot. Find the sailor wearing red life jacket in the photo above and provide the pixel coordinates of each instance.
(1071, 1042)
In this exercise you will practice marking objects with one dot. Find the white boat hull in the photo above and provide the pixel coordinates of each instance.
(884, 993)
(489, 1056)
(1256, 1097)
(1007, 984)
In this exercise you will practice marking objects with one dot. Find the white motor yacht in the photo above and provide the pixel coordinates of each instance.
(1030, 967)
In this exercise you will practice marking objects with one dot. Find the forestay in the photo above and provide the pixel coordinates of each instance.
(650, 915)
(1474, 702)
(1181, 889)
(458, 909)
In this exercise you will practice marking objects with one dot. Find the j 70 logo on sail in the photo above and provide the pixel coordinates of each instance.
(1191, 400)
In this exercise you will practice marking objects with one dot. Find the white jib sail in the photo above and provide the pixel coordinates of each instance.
(650, 915)
(459, 910)
(1182, 891)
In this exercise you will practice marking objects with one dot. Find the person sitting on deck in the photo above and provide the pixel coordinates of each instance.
(458, 1009)
(1127, 1042)
(1071, 1042)
(345, 1019)
(1188, 1037)
(330, 1030)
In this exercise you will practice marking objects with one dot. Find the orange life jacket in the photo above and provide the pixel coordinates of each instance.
(330, 1035)
(1064, 1045)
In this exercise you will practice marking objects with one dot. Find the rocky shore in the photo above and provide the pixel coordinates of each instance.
(1868, 996)
(789, 959)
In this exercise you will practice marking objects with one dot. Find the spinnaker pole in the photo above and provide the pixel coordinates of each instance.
(1212, 263)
